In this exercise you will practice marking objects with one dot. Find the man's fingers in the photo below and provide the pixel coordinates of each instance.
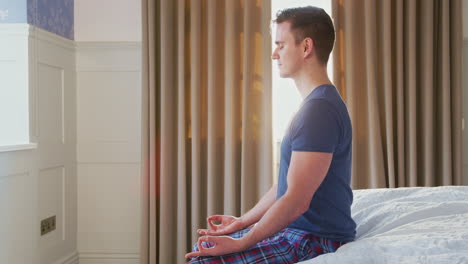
(193, 254)
(209, 232)
(200, 247)
(196, 253)
(215, 218)
(202, 231)
(206, 239)
(212, 233)
(216, 249)
(212, 226)
(203, 251)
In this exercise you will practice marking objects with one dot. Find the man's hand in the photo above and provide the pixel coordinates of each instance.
(223, 245)
(229, 224)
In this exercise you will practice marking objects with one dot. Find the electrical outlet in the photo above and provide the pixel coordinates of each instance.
(47, 225)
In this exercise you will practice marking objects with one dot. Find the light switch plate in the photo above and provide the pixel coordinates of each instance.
(48, 225)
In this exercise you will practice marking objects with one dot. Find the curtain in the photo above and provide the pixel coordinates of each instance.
(398, 65)
(206, 114)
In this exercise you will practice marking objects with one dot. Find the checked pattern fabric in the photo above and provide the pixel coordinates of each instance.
(287, 246)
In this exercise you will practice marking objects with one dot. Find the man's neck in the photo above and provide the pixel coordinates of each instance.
(307, 80)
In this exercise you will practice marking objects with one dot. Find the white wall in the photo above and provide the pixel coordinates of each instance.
(40, 182)
(108, 54)
(107, 20)
(109, 146)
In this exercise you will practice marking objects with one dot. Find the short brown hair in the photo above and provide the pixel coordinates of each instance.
(310, 22)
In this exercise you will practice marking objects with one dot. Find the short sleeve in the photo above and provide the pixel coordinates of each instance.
(316, 128)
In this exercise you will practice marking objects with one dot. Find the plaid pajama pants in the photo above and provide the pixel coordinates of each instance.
(287, 246)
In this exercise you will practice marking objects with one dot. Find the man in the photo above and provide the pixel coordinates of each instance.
(308, 212)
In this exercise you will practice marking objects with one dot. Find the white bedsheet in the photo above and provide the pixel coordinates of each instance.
(407, 225)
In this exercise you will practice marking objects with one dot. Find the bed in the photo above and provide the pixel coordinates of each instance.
(407, 225)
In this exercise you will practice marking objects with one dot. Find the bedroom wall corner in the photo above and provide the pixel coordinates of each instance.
(109, 99)
(108, 61)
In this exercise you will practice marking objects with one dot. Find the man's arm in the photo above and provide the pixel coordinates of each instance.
(306, 172)
(257, 212)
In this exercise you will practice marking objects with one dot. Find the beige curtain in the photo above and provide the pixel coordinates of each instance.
(398, 65)
(207, 135)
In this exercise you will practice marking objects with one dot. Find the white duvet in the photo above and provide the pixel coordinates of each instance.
(407, 225)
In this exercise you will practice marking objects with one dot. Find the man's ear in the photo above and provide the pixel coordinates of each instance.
(308, 45)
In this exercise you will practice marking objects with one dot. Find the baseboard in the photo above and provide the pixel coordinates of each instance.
(70, 259)
(102, 257)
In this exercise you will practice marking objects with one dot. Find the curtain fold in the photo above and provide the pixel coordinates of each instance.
(398, 66)
(206, 115)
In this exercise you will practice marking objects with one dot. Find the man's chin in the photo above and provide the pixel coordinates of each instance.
(284, 75)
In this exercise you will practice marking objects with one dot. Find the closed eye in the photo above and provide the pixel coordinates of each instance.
(279, 44)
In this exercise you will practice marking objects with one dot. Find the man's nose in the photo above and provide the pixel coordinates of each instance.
(274, 55)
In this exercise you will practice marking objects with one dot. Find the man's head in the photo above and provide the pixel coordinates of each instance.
(310, 29)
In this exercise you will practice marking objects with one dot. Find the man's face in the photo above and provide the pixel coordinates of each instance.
(288, 55)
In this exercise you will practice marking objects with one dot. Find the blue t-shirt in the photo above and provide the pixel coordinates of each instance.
(322, 124)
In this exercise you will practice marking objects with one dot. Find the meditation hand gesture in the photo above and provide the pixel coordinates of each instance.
(222, 245)
(229, 224)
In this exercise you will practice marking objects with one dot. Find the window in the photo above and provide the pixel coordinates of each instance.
(14, 86)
